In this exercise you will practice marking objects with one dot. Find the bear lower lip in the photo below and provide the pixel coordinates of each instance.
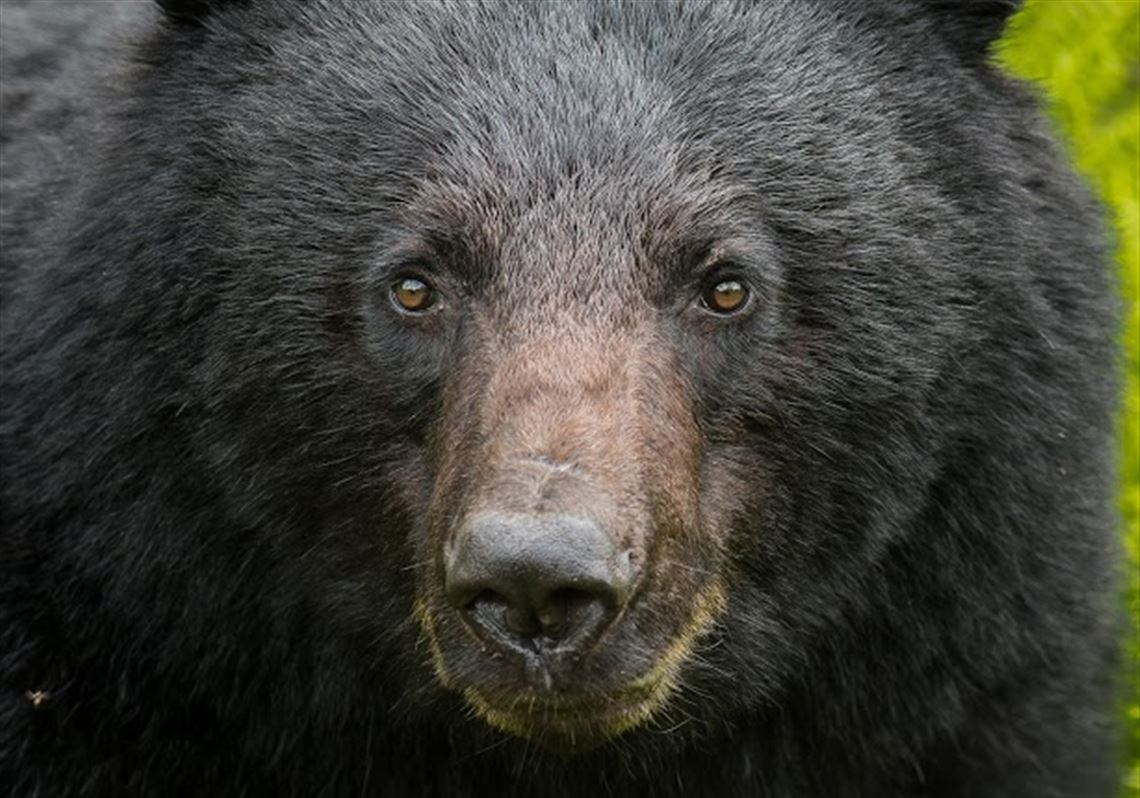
(577, 724)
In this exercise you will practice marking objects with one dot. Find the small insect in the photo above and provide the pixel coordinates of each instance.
(37, 697)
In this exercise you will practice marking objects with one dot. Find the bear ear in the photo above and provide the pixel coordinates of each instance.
(972, 26)
(190, 12)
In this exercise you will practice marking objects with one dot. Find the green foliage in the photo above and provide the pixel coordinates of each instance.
(1086, 56)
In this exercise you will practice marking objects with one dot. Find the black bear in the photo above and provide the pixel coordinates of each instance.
(548, 399)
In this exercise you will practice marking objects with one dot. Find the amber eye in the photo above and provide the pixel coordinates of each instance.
(412, 294)
(725, 296)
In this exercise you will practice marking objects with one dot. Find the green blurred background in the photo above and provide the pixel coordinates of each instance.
(1085, 54)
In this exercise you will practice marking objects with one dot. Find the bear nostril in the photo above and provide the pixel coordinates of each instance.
(563, 611)
(569, 608)
(521, 621)
(493, 611)
(554, 612)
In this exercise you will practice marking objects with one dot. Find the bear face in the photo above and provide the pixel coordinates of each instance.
(567, 224)
(613, 368)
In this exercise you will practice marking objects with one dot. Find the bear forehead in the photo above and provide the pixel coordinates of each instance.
(535, 134)
(533, 87)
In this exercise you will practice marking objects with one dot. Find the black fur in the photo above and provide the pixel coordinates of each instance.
(216, 452)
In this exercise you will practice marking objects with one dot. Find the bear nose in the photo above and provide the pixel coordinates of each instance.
(537, 580)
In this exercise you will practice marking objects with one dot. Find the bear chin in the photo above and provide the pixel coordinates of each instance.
(573, 728)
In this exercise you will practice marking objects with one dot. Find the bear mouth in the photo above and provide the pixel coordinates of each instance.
(554, 707)
(574, 726)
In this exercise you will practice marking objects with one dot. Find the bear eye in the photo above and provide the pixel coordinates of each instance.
(413, 295)
(725, 296)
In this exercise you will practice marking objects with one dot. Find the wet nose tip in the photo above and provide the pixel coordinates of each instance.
(518, 578)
